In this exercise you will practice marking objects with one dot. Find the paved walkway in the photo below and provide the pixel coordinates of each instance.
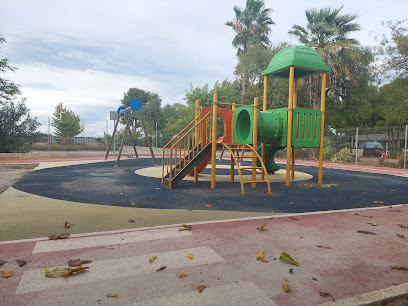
(352, 268)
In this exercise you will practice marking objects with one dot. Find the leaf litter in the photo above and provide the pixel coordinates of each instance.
(261, 256)
(286, 286)
(366, 232)
(152, 259)
(326, 294)
(64, 272)
(201, 288)
(2, 262)
(323, 246)
(21, 262)
(191, 256)
(112, 295)
(161, 268)
(305, 186)
(372, 223)
(181, 275)
(7, 274)
(261, 228)
(402, 225)
(399, 268)
(78, 262)
(185, 227)
(286, 258)
(58, 236)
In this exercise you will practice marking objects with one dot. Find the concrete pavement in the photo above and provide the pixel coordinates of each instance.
(355, 270)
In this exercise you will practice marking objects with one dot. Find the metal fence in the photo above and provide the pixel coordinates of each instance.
(85, 140)
(376, 146)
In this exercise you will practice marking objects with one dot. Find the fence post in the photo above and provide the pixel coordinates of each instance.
(405, 151)
(356, 144)
(49, 140)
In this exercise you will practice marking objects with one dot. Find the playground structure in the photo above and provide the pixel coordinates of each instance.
(127, 113)
(190, 151)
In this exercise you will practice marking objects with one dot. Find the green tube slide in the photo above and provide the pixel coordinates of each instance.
(271, 131)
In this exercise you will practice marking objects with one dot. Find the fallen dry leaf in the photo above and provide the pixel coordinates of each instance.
(152, 259)
(7, 274)
(201, 288)
(58, 236)
(326, 294)
(21, 262)
(378, 202)
(400, 236)
(133, 204)
(260, 254)
(286, 258)
(131, 221)
(328, 185)
(261, 228)
(323, 246)
(372, 223)
(366, 232)
(57, 272)
(191, 256)
(286, 287)
(399, 268)
(78, 262)
(64, 272)
(185, 227)
(401, 225)
(67, 224)
(305, 186)
(161, 268)
(112, 295)
(208, 206)
(2, 262)
(294, 218)
(181, 275)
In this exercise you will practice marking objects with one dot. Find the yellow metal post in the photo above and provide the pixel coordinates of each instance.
(254, 139)
(264, 108)
(232, 140)
(289, 124)
(294, 149)
(322, 112)
(196, 140)
(214, 140)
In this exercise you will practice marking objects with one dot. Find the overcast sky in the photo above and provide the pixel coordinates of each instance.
(87, 54)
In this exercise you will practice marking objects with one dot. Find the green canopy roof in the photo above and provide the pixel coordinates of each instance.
(306, 61)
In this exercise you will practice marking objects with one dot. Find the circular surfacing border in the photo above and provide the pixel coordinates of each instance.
(278, 176)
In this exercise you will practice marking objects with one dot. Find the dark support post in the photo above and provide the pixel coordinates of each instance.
(147, 138)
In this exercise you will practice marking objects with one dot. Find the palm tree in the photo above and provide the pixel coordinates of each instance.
(327, 32)
(252, 26)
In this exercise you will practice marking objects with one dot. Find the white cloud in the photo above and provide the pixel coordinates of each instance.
(86, 54)
(90, 94)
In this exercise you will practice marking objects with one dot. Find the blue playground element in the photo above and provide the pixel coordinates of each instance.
(135, 104)
(120, 109)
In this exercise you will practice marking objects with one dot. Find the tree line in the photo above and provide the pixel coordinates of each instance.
(366, 86)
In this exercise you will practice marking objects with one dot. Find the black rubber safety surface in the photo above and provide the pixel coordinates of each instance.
(100, 183)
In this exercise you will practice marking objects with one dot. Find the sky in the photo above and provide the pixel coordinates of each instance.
(87, 54)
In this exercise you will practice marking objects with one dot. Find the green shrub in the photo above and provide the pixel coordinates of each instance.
(343, 156)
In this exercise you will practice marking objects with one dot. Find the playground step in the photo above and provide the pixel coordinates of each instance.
(179, 172)
(250, 182)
